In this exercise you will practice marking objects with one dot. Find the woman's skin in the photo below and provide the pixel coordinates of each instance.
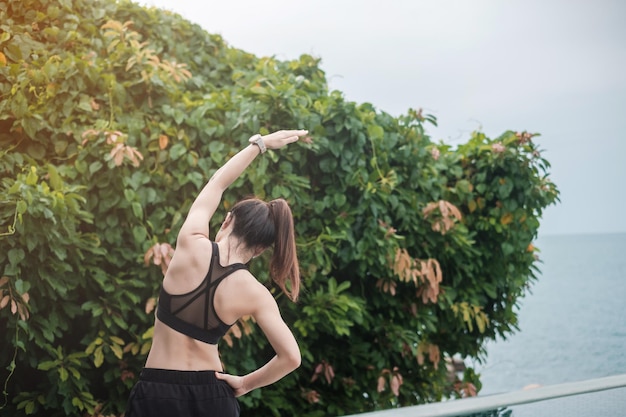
(240, 294)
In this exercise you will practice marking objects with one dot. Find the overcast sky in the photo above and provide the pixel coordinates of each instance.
(556, 67)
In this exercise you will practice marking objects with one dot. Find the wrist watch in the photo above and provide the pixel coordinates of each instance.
(258, 141)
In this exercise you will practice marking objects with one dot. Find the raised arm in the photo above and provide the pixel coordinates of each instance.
(196, 224)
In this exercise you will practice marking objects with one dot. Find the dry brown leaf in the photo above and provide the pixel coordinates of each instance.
(117, 154)
(506, 219)
(134, 155)
(166, 252)
(311, 396)
(150, 304)
(94, 104)
(5, 300)
(392, 288)
(317, 372)
(244, 322)
(147, 256)
(228, 340)
(23, 312)
(329, 372)
(395, 384)
(419, 354)
(434, 355)
(157, 255)
(381, 384)
(448, 213)
(113, 136)
(163, 141)
(235, 331)
(428, 209)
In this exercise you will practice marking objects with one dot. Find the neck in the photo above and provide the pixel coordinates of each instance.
(233, 251)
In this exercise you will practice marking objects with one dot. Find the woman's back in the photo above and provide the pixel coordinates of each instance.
(207, 288)
(199, 302)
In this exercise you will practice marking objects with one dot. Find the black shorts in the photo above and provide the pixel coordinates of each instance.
(164, 393)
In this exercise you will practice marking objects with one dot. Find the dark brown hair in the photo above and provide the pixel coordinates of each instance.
(261, 224)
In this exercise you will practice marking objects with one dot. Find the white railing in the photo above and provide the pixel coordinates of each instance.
(467, 406)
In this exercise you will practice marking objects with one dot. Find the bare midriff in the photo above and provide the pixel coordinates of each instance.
(173, 350)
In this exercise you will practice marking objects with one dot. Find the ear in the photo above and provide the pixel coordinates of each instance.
(258, 251)
(228, 220)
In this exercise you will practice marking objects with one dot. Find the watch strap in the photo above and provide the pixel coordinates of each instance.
(258, 141)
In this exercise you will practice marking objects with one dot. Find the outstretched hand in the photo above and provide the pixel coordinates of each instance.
(235, 382)
(282, 138)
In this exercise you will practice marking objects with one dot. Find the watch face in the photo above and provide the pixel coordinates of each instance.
(258, 140)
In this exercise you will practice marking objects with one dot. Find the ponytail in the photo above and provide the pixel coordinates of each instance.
(284, 264)
(262, 224)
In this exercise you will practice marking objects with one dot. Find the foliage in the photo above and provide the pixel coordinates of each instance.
(112, 116)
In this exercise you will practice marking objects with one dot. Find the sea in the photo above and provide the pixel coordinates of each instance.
(572, 328)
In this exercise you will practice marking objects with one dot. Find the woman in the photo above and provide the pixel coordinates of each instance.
(207, 288)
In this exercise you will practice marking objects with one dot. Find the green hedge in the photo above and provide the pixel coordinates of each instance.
(112, 117)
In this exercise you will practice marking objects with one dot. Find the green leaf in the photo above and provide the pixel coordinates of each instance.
(77, 402)
(16, 256)
(216, 146)
(32, 177)
(375, 132)
(117, 340)
(55, 180)
(22, 286)
(137, 209)
(95, 167)
(47, 365)
(139, 233)
(177, 150)
(507, 248)
(129, 195)
(259, 90)
(98, 357)
(81, 166)
(117, 351)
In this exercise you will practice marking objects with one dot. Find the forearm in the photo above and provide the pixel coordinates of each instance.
(228, 173)
(225, 176)
(235, 166)
(271, 372)
(208, 200)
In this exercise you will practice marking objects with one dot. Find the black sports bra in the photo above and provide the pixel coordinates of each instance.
(193, 314)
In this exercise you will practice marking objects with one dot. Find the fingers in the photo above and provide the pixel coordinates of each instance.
(282, 138)
(289, 133)
(231, 380)
(235, 383)
(291, 139)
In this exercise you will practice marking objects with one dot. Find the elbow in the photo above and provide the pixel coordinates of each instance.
(294, 359)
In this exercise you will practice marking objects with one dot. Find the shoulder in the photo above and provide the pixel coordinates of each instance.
(248, 286)
(246, 294)
(190, 262)
(195, 245)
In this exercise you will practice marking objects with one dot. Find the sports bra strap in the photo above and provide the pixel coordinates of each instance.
(193, 313)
